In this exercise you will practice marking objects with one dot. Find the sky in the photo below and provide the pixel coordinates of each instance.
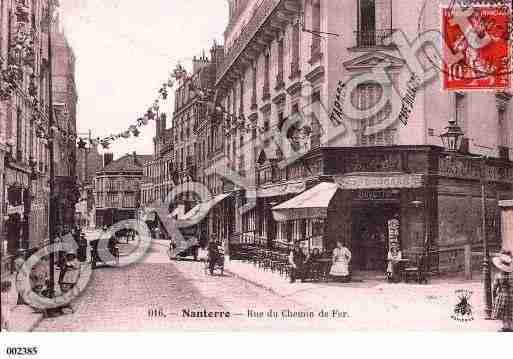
(125, 50)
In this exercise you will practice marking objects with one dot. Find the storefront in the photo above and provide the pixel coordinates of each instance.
(417, 196)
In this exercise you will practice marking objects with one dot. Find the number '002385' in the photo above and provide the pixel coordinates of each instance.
(21, 351)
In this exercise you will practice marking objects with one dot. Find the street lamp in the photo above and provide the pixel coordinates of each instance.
(452, 137)
(452, 141)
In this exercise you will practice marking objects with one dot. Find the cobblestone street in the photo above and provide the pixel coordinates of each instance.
(120, 299)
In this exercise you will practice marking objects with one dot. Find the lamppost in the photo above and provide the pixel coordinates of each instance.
(27, 204)
(452, 142)
(51, 149)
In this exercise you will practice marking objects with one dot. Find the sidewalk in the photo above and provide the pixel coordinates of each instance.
(22, 317)
(374, 304)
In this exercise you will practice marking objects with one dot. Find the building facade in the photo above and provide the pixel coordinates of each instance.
(65, 117)
(89, 161)
(117, 188)
(24, 108)
(290, 59)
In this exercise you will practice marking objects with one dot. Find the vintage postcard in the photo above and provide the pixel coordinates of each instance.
(252, 165)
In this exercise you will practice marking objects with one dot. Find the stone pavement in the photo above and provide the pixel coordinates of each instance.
(374, 304)
(22, 318)
(119, 299)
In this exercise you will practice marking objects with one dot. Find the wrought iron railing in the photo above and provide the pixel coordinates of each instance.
(371, 38)
(261, 15)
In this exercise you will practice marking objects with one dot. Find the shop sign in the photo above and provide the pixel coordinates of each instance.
(367, 195)
(393, 230)
(377, 182)
(473, 169)
(386, 162)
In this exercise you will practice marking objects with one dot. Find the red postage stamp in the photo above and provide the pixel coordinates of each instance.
(477, 51)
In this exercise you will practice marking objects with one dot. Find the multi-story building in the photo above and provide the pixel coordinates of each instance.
(117, 188)
(89, 161)
(292, 59)
(24, 102)
(157, 177)
(64, 103)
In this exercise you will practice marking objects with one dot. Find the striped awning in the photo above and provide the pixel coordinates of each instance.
(309, 204)
(198, 212)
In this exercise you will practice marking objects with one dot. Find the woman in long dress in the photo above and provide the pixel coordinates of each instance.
(503, 290)
(394, 257)
(340, 267)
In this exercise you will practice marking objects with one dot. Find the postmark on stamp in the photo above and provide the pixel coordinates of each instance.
(481, 35)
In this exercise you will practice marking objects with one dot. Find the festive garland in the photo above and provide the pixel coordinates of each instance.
(151, 114)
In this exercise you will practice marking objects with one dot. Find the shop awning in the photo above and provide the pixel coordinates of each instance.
(309, 204)
(386, 180)
(198, 212)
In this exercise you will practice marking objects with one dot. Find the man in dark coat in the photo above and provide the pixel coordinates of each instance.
(213, 255)
(297, 261)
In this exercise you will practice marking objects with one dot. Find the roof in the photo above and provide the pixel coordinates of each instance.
(127, 163)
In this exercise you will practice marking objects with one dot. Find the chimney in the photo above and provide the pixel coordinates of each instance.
(108, 157)
(199, 62)
(217, 53)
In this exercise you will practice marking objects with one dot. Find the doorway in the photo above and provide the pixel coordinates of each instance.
(369, 245)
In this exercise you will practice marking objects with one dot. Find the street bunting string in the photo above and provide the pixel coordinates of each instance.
(151, 114)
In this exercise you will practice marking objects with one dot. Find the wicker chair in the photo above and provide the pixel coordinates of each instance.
(417, 271)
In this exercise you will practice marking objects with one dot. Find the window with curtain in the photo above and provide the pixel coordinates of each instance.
(279, 77)
(241, 96)
(367, 23)
(267, 64)
(364, 98)
(294, 48)
(254, 84)
(316, 26)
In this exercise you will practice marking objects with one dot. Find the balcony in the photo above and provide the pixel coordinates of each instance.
(374, 38)
(259, 31)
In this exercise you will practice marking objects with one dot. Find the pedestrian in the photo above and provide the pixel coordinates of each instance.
(340, 263)
(503, 290)
(214, 257)
(113, 247)
(5, 288)
(394, 260)
(18, 264)
(297, 261)
(82, 247)
(68, 277)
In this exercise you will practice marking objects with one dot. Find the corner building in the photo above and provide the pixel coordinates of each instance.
(394, 179)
